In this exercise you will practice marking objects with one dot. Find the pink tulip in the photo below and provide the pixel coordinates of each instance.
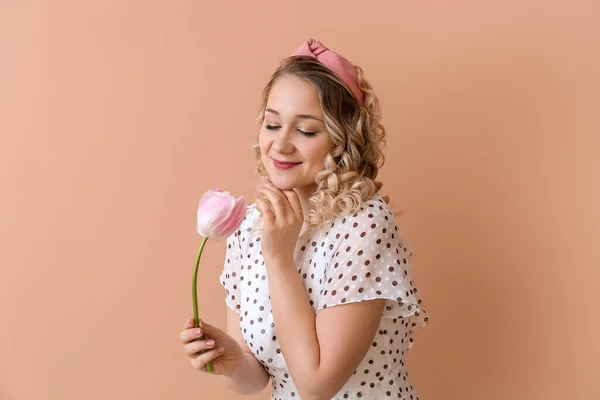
(219, 215)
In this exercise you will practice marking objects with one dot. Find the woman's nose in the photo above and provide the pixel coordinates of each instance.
(283, 141)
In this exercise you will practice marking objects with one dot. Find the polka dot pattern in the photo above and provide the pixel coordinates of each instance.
(358, 257)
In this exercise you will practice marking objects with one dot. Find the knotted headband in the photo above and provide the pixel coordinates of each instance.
(335, 62)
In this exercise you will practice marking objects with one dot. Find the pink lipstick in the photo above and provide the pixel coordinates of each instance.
(284, 164)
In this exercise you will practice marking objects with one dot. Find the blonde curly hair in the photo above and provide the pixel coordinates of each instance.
(351, 167)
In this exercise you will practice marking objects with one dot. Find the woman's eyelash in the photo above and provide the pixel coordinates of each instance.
(307, 133)
(275, 127)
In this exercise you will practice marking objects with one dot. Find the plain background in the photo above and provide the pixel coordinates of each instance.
(117, 115)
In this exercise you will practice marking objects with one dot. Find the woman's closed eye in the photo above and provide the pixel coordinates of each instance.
(305, 133)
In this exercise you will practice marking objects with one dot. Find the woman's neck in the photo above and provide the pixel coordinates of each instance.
(304, 194)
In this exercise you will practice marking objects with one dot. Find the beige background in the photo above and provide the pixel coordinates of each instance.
(115, 116)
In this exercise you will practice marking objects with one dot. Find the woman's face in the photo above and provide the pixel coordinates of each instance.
(293, 131)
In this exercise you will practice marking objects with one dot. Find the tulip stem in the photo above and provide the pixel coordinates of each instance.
(195, 296)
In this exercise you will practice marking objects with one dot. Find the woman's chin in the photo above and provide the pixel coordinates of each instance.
(284, 186)
(286, 183)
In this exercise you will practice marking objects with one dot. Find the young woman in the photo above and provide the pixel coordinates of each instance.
(319, 288)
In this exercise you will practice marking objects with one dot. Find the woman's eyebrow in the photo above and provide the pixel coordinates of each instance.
(308, 116)
(302, 116)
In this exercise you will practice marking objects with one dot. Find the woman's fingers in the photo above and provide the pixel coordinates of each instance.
(294, 202)
(193, 348)
(277, 201)
(200, 361)
(267, 184)
(265, 210)
(189, 335)
(188, 324)
(200, 352)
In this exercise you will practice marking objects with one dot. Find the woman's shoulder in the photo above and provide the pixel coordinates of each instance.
(375, 218)
(376, 205)
(373, 211)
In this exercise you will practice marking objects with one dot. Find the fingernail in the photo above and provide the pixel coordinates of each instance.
(210, 343)
(198, 332)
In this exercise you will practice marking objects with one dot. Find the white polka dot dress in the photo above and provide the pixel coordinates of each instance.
(358, 257)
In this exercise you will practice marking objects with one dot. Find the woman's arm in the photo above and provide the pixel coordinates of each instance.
(250, 376)
(321, 352)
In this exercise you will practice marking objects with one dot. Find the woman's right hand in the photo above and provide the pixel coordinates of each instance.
(223, 351)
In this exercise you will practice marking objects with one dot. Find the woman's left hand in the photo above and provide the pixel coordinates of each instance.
(282, 224)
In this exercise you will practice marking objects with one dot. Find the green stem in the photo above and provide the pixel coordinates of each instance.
(195, 296)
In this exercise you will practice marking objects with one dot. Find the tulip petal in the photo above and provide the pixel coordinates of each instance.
(214, 207)
(234, 220)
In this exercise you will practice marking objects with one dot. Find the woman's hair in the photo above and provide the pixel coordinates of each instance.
(352, 165)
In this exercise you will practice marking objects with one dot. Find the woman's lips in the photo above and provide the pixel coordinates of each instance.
(284, 164)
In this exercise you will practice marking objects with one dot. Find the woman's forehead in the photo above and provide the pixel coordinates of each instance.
(291, 96)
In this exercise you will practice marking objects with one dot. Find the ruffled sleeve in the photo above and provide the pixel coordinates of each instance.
(230, 277)
(372, 262)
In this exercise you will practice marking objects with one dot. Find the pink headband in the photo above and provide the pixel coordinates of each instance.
(335, 62)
